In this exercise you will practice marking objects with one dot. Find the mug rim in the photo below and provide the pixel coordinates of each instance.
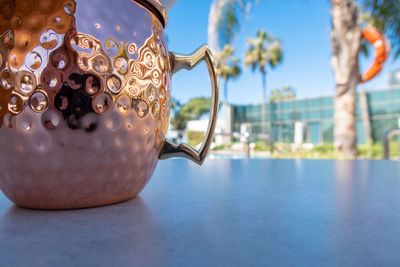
(155, 7)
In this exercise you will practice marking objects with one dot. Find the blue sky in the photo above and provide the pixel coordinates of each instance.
(303, 27)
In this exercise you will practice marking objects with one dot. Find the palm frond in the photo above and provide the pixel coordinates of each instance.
(262, 50)
(385, 16)
(225, 19)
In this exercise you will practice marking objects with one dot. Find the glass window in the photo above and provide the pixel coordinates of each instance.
(314, 103)
(327, 131)
(327, 114)
(395, 108)
(313, 115)
(314, 130)
(327, 101)
(358, 111)
(287, 105)
(361, 138)
(302, 104)
(380, 126)
(380, 109)
(379, 95)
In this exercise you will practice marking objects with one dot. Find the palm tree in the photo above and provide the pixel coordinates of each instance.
(228, 67)
(384, 15)
(280, 94)
(192, 110)
(346, 40)
(224, 20)
(262, 51)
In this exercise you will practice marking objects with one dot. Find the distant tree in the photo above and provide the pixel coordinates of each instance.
(178, 121)
(384, 15)
(175, 104)
(263, 51)
(192, 110)
(280, 94)
(196, 107)
(228, 67)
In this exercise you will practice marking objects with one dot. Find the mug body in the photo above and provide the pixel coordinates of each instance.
(84, 100)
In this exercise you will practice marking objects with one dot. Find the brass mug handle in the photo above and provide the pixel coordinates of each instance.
(179, 62)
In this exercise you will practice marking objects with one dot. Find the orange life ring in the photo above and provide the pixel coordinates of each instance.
(382, 51)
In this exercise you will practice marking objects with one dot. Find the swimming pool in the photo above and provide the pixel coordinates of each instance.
(229, 155)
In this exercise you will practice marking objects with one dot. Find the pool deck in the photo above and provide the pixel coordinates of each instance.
(224, 213)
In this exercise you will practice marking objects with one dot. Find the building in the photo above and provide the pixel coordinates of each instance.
(201, 126)
(311, 120)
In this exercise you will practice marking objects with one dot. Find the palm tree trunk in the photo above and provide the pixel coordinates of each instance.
(212, 26)
(264, 82)
(226, 91)
(228, 115)
(264, 102)
(346, 38)
(365, 116)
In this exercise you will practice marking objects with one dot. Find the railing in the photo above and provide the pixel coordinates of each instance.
(249, 137)
(386, 141)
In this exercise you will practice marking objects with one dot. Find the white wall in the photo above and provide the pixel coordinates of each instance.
(201, 126)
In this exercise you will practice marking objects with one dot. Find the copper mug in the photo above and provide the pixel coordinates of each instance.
(85, 100)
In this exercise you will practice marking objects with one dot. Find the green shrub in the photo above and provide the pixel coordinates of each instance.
(370, 151)
(194, 137)
(222, 147)
(261, 146)
(323, 151)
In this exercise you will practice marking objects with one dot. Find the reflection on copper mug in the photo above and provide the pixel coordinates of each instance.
(85, 100)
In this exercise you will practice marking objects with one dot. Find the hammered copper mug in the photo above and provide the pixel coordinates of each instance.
(85, 100)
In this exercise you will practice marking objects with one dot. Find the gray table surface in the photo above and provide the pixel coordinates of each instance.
(224, 213)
